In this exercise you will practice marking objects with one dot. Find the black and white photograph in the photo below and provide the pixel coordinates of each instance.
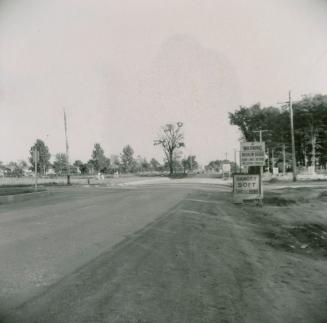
(163, 161)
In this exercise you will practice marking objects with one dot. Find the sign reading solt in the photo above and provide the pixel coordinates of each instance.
(247, 187)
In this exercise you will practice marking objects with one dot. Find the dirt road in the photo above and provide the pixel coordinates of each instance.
(202, 259)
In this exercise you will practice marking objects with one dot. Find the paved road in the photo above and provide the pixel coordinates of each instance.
(149, 254)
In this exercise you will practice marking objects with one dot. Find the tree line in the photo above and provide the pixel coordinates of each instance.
(170, 139)
(310, 129)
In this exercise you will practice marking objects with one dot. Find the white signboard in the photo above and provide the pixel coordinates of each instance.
(275, 170)
(253, 154)
(311, 170)
(226, 168)
(246, 186)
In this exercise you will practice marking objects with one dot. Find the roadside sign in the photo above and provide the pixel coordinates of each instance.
(311, 170)
(275, 170)
(247, 187)
(252, 154)
(226, 168)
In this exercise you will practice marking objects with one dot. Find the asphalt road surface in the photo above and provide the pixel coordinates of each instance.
(155, 253)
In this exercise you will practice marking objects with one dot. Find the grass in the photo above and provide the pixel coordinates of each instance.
(14, 190)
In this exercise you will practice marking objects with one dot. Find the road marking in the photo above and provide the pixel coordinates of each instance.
(203, 201)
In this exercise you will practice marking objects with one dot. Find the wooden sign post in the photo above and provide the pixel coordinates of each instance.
(249, 186)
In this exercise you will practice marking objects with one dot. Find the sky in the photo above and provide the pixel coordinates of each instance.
(122, 69)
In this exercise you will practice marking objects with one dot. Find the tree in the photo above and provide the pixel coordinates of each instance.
(170, 139)
(141, 164)
(155, 165)
(90, 166)
(22, 167)
(100, 162)
(310, 120)
(214, 166)
(116, 165)
(128, 159)
(81, 166)
(22, 164)
(310, 127)
(254, 118)
(44, 156)
(185, 165)
(15, 169)
(60, 164)
(190, 163)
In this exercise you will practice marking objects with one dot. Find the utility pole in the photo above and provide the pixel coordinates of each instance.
(235, 167)
(268, 160)
(67, 150)
(272, 159)
(289, 102)
(284, 170)
(260, 135)
(292, 136)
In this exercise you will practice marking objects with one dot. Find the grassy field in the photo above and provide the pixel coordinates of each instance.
(75, 180)
(13, 190)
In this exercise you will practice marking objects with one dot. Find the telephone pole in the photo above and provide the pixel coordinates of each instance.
(290, 106)
(235, 166)
(67, 150)
(284, 160)
(292, 136)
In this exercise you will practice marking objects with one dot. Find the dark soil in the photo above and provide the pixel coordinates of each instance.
(276, 199)
(288, 196)
(308, 238)
(323, 196)
(303, 235)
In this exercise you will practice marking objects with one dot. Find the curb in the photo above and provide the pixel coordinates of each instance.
(22, 197)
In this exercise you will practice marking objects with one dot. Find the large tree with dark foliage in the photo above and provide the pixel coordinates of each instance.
(310, 128)
(99, 161)
(310, 123)
(60, 164)
(44, 156)
(190, 163)
(81, 166)
(155, 165)
(127, 158)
